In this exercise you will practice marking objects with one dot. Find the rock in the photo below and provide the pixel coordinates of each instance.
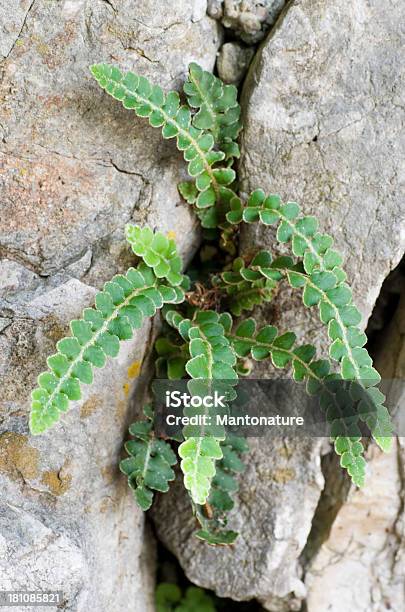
(327, 133)
(264, 558)
(66, 518)
(322, 115)
(74, 163)
(249, 19)
(11, 23)
(361, 564)
(233, 62)
(75, 167)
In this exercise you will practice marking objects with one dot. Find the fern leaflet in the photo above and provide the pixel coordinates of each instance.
(149, 465)
(219, 111)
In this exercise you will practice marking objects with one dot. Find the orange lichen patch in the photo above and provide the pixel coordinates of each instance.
(17, 458)
(171, 235)
(89, 406)
(57, 482)
(126, 388)
(134, 369)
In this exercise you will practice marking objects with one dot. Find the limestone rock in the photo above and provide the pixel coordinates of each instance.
(324, 127)
(323, 116)
(264, 558)
(233, 62)
(74, 164)
(361, 564)
(74, 168)
(249, 19)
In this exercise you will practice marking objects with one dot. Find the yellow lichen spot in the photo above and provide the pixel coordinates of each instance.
(17, 458)
(171, 235)
(126, 389)
(134, 369)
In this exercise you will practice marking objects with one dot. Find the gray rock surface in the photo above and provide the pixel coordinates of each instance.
(361, 564)
(323, 115)
(75, 167)
(324, 126)
(233, 62)
(249, 19)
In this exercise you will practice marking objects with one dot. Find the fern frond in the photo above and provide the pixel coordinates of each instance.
(211, 366)
(224, 486)
(322, 279)
(157, 251)
(164, 111)
(212, 359)
(245, 287)
(219, 110)
(267, 343)
(120, 308)
(148, 466)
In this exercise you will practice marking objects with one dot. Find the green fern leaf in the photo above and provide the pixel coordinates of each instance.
(218, 108)
(172, 357)
(148, 466)
(212, 363)
(224, 486)
(157, 251)
(246, 287)
(164, 111)
(267, 343)
(120, 308)
(322, 279)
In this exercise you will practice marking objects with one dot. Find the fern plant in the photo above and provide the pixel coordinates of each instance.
(201, 342)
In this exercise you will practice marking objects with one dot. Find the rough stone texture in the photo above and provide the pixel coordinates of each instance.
(361, 564)
(264, 558)
(66, 520)
(249, 19)
(323, 116)
(233, 62)
(75, 167)
(324, 119)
